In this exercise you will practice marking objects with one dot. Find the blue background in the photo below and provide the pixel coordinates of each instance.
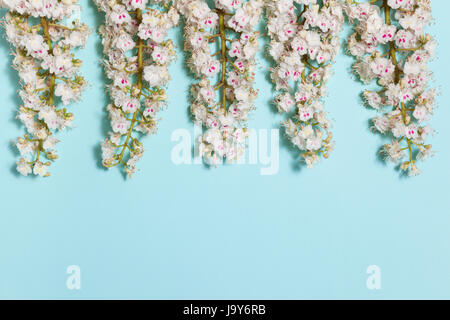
(191, 232)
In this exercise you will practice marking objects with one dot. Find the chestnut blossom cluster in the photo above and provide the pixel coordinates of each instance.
(304, 42)
(43, 44)
(138, 55)
(392, 49)
(222, 43)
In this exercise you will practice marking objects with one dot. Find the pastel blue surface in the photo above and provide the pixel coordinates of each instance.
(191, 232)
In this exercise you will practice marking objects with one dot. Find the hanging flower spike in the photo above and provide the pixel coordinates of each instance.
(223, 107)
(391, 48)
(48, 72)
(304, 43)
(137, 60)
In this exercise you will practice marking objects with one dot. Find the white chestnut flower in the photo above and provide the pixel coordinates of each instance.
(137, 57)
(391, 48)
(48, 71)
(222, 107)
(304, 42)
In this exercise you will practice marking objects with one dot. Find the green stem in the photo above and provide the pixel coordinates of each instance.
(393, 56)
(140, 72)
(223, 44)
(51, 93)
